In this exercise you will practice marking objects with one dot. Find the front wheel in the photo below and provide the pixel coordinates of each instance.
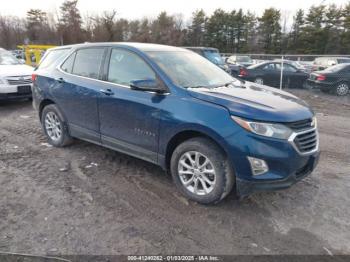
(342, 89)
(201, 171)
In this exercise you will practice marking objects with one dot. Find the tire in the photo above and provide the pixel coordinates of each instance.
(342, 89)
(325, 90)
(259, 81)
(51, 114)
(222, 179)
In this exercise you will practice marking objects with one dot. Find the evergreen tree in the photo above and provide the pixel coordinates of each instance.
(70, 23)
(270, 31)
(196, 30)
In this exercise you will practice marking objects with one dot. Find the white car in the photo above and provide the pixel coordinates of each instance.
(15, 77)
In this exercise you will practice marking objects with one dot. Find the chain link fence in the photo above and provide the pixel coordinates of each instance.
(330, 73)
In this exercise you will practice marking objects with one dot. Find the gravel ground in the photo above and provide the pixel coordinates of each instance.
(85, 199)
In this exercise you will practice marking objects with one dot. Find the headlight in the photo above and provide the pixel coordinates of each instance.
(264, 129)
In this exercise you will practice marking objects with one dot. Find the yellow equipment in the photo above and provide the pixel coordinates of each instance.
(33, 53)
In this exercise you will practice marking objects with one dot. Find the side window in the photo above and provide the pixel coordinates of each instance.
(67, 66)
(125, 66)
(88, 62)
(269, 67)
(289, 68)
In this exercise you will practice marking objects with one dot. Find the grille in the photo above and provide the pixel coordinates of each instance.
(19, 80)
(307, 141)
(301, 125)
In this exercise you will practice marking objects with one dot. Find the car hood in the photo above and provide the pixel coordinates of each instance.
(15, 70)
(252, 101)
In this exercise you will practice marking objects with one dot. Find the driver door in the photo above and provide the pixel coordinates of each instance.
(129, 119)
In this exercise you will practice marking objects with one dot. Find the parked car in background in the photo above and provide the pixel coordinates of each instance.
(172, 107)
(334, 79)
(212, 54)
(242, 60)
(269, 73)
(306, 67)
(236, 62)
(321, 63)
(15, 77)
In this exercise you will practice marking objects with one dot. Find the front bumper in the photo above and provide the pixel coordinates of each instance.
(286, 165)
(247, 187)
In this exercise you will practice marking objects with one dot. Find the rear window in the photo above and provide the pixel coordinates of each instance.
(343, 60)
(337, 68)
(52, 56)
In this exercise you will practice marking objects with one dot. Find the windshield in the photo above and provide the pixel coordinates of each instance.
(7, 59)
(343, 60)
(214, 57)
(244, 59)
(335, 68)
(188, 69)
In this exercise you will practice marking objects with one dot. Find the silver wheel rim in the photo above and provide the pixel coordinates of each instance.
(342, 89)
(259, 81)
(197, 173)
(53, 126)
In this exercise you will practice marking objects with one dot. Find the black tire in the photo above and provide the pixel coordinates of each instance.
(342, 89)
(64, 139)
(325, 90)
(225, 178)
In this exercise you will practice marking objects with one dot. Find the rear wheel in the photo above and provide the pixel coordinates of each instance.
(55, 126)
(342, 89)
(201, 171)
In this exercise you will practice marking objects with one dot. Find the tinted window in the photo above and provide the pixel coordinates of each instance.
(343, 60)
(214, 57)
(88, 62)
(68, 64)
(125, 66)
(337, 68)
(286, 67)
(268, 67)
(51, 57)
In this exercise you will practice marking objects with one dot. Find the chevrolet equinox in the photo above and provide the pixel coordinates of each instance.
(174, 108)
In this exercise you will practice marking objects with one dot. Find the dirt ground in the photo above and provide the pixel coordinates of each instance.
(85, 199)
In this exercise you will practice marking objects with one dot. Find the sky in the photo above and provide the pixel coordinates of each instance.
(131, 9)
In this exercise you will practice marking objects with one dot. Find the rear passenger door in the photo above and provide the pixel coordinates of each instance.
(270, 74)
(129, 119)
(78, 89)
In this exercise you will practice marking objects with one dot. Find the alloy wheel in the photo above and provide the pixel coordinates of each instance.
(197, 173)
(342, 89)
(53, 126)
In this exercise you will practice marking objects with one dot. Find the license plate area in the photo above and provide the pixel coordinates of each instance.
(24, 89)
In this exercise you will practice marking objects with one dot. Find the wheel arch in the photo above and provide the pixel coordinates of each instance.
(186, 134)
(45, 102)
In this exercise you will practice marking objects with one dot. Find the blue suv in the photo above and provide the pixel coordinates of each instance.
(174, 108)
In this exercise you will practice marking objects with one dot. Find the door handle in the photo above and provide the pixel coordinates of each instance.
(60, 80)
(107, 92)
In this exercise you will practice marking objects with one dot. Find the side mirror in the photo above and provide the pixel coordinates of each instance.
(146, 85)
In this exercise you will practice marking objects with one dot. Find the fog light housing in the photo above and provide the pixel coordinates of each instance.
(258, 166)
